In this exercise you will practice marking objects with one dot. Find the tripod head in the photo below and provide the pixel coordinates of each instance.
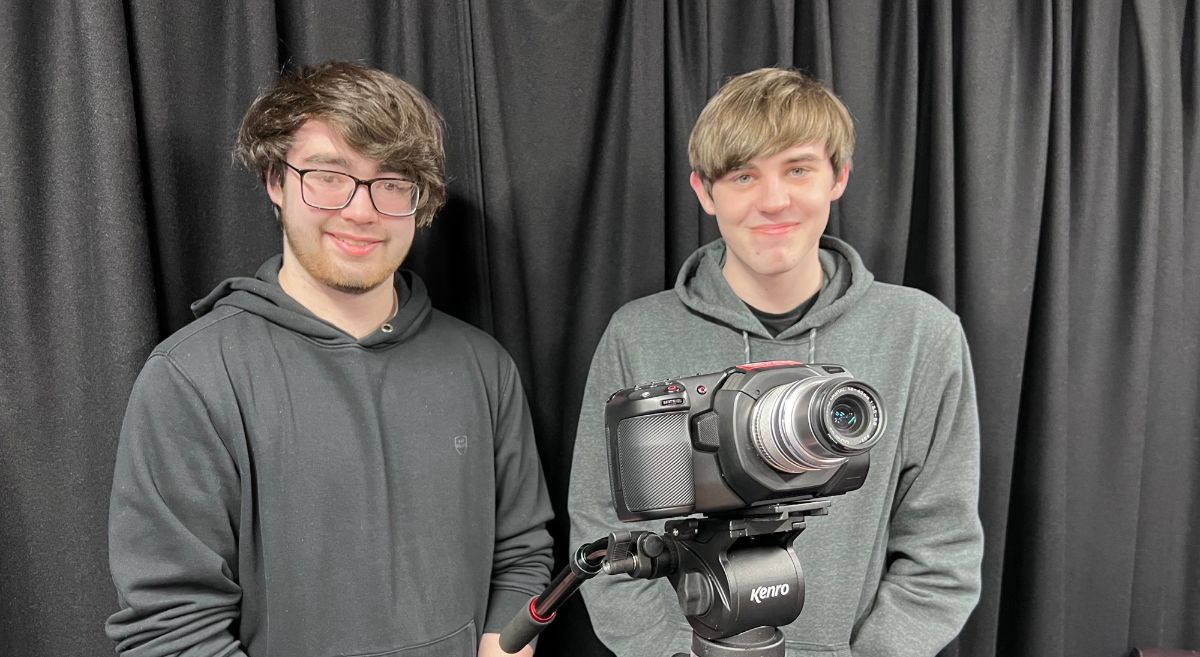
(732, 575)
(737, 578)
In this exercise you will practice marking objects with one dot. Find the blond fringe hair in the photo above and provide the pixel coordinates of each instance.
(763, 112)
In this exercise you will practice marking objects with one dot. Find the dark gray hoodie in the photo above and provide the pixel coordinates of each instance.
(893, 570)
(282, 489)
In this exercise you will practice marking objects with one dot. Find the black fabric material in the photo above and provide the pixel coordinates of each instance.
(1033, 164)
(776, 323)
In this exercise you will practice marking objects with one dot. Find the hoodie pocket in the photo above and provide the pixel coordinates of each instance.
(460, 643)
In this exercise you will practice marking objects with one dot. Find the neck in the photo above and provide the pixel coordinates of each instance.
(358, 314)
(778, 293)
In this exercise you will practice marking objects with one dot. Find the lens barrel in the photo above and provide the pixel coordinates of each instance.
(815, 423)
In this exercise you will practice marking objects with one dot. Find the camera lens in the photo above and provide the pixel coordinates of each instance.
(845, 416)
(850, 418)
(815, 423)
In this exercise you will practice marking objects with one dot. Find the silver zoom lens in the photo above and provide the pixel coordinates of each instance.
(815, 423)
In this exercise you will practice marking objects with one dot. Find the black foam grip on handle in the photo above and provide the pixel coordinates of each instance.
(522, 629)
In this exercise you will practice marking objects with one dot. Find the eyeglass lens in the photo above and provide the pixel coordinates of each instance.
(330, 190)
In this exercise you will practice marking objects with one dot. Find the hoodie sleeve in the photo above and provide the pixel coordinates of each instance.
(522, 557)
(633, 617)
(173, 524)
(935, 542)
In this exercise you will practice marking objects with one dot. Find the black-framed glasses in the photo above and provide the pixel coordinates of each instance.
(333, 190)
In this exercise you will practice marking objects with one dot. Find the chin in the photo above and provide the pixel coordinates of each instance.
(775, 267)
(351, 286)
(346, 278)
(359, 283)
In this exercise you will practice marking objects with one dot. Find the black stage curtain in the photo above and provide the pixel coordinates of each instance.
(1034, 164)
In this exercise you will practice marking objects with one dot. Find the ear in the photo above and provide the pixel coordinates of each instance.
(702, 194)
(274, 188)
(839, 185)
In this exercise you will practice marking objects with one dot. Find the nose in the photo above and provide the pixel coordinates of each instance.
(360, 209)
(773, 196)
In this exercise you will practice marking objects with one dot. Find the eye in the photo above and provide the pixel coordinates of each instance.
(742, 179)
(798, 171)
(395, 186)
(327, 177)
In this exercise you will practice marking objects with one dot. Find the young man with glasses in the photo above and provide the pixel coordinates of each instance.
(322, 464)
(893, 570)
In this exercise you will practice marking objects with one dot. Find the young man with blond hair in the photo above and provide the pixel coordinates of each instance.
(322, 464)
(893, 570)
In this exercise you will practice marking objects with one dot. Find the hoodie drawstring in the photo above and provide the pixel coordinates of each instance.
(745, 347)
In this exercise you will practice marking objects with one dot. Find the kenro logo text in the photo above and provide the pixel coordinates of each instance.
(763, 592)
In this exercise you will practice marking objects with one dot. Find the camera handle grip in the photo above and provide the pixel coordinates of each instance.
(535, 616)
(523, 628)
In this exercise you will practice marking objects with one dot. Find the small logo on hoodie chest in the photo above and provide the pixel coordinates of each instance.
(460, 445)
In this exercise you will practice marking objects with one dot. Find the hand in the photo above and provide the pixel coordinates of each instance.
(489, 646)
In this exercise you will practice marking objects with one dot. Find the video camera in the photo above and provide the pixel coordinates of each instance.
(756, 434)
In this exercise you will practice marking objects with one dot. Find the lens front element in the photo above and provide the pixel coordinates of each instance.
(850, 416)
(845, 418)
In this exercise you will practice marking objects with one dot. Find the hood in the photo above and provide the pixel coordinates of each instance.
(263, 296)
(703, 288)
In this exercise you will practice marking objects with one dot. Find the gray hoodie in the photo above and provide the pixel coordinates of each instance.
(282, 489)
(894, 569)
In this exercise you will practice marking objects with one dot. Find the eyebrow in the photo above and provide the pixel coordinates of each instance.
(800, 158)
(337, 161)
(327, 159)
(805, 157)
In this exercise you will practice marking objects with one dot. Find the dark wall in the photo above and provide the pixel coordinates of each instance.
(1033, 164)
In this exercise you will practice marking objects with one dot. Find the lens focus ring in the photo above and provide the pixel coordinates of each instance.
(815, 423)
(781, 431)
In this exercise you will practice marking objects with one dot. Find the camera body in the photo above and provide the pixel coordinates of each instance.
(753, 435)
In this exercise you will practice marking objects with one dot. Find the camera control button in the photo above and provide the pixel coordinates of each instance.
(673, 388)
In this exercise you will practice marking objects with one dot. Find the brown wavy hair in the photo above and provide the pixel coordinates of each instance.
(764, 112)
(381, 116)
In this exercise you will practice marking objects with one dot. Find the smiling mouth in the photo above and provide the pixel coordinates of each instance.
(775, 229)
(354, 246)
(354, 242)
